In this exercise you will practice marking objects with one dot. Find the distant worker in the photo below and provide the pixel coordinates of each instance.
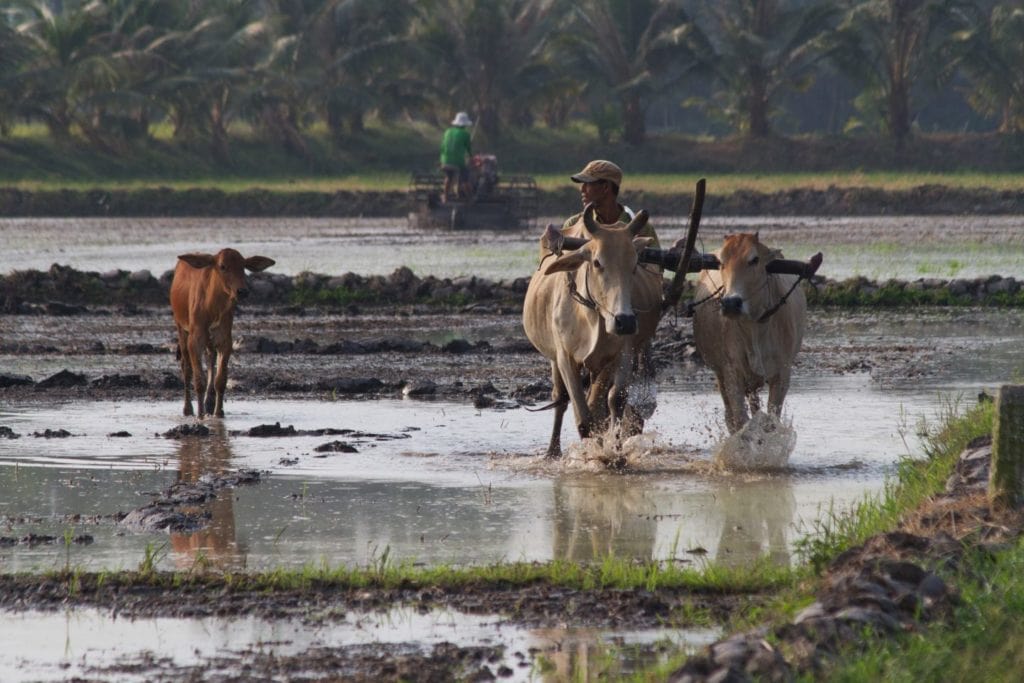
(599, 183)
(455, 154)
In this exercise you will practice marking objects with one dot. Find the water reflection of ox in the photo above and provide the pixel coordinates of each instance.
(216, 542)
(757, 515)
(739, 519)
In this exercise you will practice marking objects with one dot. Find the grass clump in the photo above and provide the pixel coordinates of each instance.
(915, 480)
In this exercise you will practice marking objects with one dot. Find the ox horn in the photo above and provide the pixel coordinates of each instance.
(589, 222)
(638, 222)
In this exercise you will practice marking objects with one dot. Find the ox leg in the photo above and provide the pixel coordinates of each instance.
(598, 401)
(777, 391)
(185, 361)
(570, 375)
(734, 399)
(196, 347)
(221, 381)
(631, 422)
(560, 399)
(754, 399)
(211, 368)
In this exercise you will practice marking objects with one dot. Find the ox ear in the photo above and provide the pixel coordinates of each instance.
(570, 261)
(199, 260)
(257, 263)
(641, 243)
(638, 222)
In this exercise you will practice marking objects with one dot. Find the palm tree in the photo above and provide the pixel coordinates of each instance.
(758, 49)
(891, 46)
(633, 48)
(211, 67)
(993, 52)
(64, 69)
(356, 55)
(490, 54)
(14, 52)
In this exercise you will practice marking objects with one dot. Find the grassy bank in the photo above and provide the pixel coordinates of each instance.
(383, 156)
(657, 183)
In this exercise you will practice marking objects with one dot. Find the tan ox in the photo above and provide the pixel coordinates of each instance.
(749, 327)
(590, 309)
(203, 296)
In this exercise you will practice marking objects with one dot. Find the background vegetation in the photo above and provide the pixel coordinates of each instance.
(181, 88)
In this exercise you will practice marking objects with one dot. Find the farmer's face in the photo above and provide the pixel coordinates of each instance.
(595, 192)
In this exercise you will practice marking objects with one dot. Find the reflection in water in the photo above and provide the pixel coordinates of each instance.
(102, 645)
(603, 516)
(756, 515)
(216, 542)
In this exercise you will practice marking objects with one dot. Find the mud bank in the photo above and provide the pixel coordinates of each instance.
(834, 201)
(64, 291)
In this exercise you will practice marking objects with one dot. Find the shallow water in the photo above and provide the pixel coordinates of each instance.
(92, 644)
(457, 486)
(873, 246)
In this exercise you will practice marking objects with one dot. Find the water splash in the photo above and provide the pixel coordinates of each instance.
(642, 395)
(607, 452)
(764, 443)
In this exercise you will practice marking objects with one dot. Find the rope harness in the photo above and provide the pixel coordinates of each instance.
(574, 292)
(782, 302)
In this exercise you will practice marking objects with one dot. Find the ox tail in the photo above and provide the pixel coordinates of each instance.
(553, 404)
(177, 352)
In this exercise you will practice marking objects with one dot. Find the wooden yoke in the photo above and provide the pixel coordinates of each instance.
(675, 290)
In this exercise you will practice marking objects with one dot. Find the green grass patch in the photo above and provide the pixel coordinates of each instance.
(383, 573)
(915, 480)
(398, 181)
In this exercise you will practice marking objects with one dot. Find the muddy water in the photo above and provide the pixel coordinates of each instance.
(85, 636)
(876, 246)
(455, 485)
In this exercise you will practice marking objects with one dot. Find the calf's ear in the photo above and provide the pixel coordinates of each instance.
(257, 263)
(570, 261)
(198, 260)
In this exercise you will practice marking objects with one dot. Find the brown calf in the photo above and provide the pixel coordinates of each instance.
(203, 296)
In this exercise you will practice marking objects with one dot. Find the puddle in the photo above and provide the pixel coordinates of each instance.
(87, 643)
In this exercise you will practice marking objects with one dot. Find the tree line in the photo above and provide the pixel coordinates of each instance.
(105, 71)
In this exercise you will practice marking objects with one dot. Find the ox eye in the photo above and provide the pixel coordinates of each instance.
(754, 260)
(598, 264)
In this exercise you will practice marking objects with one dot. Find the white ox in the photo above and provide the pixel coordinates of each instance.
(591, 309)
(746, 328)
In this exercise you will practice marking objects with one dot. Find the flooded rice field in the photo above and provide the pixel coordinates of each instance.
(440, 476)
(875, 247)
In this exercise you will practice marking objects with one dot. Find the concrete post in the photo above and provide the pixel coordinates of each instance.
(1006, 481)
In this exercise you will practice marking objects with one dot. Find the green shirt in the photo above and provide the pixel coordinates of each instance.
(455, 147)
(624, 217)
